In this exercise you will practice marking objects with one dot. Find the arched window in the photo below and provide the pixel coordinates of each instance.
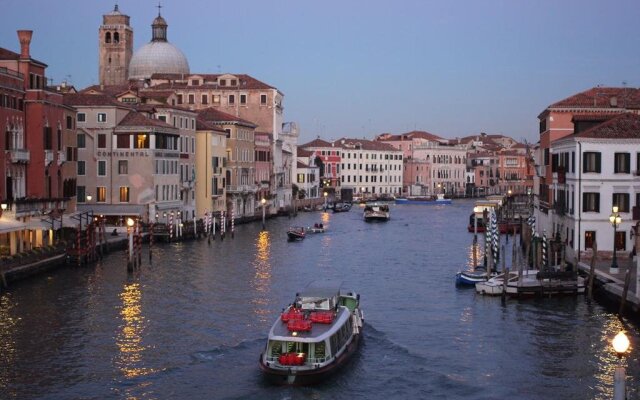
(107, 37)
(116, 37)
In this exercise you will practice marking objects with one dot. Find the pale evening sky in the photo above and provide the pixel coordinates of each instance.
(359, 68)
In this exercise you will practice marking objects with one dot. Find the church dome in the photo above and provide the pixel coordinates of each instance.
(158, 56)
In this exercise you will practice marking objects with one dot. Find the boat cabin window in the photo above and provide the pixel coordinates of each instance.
(320, 350)
(349, 302)
(278, 347)
(339, 338)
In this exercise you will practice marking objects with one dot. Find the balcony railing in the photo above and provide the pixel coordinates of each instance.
(241, 188)
(48, 157)
(19, 156)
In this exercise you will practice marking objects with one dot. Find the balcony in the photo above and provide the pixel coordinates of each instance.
(241, 188)
(541, 170)
(187, 185)
(38, 206)
(19, 156)
(62, 157)
(48, 157)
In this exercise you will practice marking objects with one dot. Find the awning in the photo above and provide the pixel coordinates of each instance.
(11, 225)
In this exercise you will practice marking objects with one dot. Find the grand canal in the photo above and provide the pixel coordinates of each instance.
(192, 324)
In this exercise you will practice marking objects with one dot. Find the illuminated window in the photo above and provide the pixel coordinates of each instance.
(124, 194)
(141, 142)
(101, 194)
(123, 167)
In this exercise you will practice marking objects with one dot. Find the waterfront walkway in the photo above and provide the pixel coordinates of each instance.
(613, 283)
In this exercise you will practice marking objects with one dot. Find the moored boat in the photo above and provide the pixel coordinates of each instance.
(296, 233)
(314, 336)
(546, 283)
(341, 207)
(376, 212)
(438, 199)
(495, 286)
(471, 277)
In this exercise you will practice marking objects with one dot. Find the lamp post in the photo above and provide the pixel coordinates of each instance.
(3, 207)
(325, 200)
(620, 345)
(476, 210)
(615, 220)
(263, 202)
(130, 223)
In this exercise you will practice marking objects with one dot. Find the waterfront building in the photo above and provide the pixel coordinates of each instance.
(210, 168)
(369, 167)
(328, 160)
(264, 165)
(115, 38)
(557, 121)
(308, 178)
(128, 161)
(241, 187)
(593, 170)
(38, 141)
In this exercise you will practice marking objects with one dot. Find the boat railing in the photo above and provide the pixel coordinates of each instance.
(308, 360)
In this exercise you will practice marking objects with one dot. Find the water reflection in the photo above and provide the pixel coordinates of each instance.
(479, 255)
(262, 275)
(129, 340)
(8, 328)
(607, 361)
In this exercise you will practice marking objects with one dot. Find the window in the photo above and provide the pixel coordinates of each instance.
(232, 99)
(234, 82)
(101, 194)
(591, 162)
(123, 142)
(243, 99)
(180, 98)
(124, 194)
(621, 240)
(591, 202)
(205, 99)
(141, 142)
(192, 98)
(81, 194)
(102, 141)
(223, 82)
(195, 82)
(589, 239)
(162, 118)
(102, 168)
(81, 141)
(216, 99)
(81, 168)
(263, 99)
(622, 201)
(69, 122)
(102, 117)
(123, 167)
(622, 163)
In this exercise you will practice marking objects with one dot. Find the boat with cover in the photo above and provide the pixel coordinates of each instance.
(471, 277)
(296, 233)
(376, 212)
(341, 207)
(438, 199)
(314, 336)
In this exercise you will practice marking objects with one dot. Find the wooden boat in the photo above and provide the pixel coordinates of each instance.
(296, 233)
(316, 228)
(314, 336)
(495, 286)
(376, 212)
(471, 277)
(546, 283)
(439, 199)
(341, 207)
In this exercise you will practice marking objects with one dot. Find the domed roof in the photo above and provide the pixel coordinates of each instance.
(157, 57)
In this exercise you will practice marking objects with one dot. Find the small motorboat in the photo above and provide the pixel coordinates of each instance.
(471, 277)
(341, 207)
(314, 336)
(316, 228)
(296, 233)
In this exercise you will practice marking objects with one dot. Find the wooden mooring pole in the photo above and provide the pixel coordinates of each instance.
(592, 269)
(625, 290)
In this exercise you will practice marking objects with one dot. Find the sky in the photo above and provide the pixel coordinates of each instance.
(360, 68)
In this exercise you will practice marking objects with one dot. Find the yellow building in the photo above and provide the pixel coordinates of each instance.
(211, 168)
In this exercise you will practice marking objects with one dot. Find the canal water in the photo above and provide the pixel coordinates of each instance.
(193, 324)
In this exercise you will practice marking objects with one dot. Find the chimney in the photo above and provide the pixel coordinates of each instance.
(25, 41)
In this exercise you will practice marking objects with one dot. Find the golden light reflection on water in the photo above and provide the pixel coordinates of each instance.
(479, 249)
(8, 327)
(261, 282)
(129, 340)
(607, 360)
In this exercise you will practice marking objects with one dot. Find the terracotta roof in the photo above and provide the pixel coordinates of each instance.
(602, 97)
(316, 143)
(214, 115)
(300, 152)
(91, 100)
(202, 125)
(301, 165)
(6, 54)
(623, 126)
(111, 90)
(244, 81)
(138, 119)
(386, 137)
(365, 144)
(592, 117)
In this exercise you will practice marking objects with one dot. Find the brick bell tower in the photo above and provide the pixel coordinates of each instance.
(115, 38)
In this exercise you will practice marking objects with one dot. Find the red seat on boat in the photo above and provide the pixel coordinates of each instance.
(299, 325)
(292, 358)
(292, 314)
(322, 317)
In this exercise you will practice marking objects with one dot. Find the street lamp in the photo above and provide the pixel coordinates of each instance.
(325, 200)
(620, 344)
(89, 198)
(3, 207)
(263, 202)
(615, 220)
(476, 210)
(130, 223)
